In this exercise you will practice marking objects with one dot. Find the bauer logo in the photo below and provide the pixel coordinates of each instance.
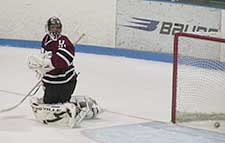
(143, 24)
(167, 28)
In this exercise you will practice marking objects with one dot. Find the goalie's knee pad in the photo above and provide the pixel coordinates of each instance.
(65, 115)
(93, 109)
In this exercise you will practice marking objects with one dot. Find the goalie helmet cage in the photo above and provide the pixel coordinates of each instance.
(197, 59)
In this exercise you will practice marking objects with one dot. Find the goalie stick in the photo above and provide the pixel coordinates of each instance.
(79, 39)
(37, 86)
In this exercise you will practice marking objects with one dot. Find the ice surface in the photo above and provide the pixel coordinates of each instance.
(153, 132)
(133, 91)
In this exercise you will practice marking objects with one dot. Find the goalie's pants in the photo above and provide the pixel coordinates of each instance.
(59, 93)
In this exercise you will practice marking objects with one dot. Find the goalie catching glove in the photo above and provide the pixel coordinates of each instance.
(40, 63)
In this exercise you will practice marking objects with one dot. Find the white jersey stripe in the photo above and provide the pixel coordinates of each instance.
(62, 49)
(59, 75)
(59, 82)
(64, 58)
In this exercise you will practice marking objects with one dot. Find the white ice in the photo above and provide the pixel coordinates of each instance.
(131, 90)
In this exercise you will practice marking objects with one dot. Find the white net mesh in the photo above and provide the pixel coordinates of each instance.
(200, 80)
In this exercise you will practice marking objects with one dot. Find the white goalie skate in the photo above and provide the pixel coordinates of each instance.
(87, 102)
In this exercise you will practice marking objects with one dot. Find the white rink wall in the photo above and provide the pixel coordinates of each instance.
(25, 19)
(150, 25)
(111, 23)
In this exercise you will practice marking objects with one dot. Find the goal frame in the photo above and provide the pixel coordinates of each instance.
(175, 64)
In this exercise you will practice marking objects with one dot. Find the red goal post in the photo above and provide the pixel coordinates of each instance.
(197, 56)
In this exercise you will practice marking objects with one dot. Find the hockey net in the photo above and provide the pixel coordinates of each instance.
(198, 77)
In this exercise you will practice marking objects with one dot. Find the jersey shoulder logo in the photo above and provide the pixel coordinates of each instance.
(62, 44)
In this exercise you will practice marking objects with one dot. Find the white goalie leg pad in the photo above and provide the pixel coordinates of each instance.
(63, 115)
(93, 109)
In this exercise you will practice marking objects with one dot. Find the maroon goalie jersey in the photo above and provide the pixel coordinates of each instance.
(62, 53)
